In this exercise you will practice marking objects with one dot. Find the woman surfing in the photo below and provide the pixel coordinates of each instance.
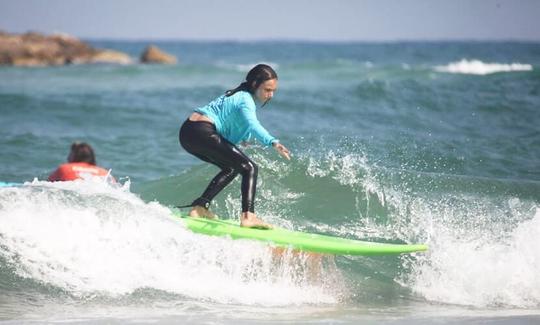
(212, 133)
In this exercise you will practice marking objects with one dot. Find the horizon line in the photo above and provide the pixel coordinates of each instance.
(287, 39)
(313, 40)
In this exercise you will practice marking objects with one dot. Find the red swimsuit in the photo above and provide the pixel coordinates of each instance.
(73, 171)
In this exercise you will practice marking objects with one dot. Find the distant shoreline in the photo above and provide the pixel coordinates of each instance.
(33, 49)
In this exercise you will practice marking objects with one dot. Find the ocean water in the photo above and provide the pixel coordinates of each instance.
(435, 143)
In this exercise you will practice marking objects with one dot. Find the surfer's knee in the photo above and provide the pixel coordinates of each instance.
(249, 168)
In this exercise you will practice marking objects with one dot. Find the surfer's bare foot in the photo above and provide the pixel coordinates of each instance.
(250, 220)
(201, 212)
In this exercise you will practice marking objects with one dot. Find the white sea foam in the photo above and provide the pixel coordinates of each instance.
(470, 265)
(482, 249)
(90, 238)
(478, 67)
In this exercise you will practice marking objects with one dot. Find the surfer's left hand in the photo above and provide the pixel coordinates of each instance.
(282, 150)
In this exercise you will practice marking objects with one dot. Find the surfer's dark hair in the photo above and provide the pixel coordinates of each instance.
(82, 152)
(255, 77)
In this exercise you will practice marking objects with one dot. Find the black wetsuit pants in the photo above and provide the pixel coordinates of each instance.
(202, 140)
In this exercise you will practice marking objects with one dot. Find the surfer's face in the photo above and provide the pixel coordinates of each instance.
(266, 90)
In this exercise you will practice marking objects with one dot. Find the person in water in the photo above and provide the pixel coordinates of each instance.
(212, 133)
(81, 164)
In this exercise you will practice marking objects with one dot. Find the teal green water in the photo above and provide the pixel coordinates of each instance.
(399, 142)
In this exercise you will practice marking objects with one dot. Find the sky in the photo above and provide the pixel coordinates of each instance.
(315, 20)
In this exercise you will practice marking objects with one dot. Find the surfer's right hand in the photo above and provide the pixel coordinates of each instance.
(282, 150)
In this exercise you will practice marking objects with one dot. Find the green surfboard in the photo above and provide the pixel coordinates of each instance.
(297, 240)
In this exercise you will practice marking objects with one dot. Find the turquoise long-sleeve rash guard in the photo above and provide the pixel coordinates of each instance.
(235, 118)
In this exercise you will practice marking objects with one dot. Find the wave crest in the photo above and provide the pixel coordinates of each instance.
(478, 67)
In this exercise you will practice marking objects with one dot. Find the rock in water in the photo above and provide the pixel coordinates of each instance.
(152, 54)
(34, 49)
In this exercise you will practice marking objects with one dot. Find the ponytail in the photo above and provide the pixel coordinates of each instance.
(242, 87)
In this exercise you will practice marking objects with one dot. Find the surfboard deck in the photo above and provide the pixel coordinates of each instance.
(297, 240)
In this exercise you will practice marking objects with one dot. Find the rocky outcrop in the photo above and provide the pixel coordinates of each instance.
(152, 54)
(34, 49)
